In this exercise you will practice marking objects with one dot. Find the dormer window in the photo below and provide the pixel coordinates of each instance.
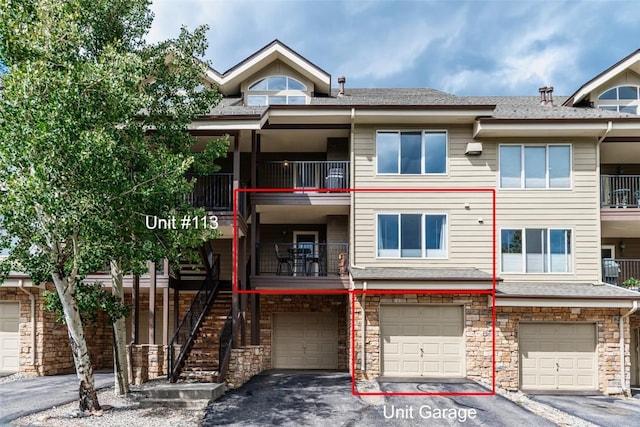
(277, 90)
(623, 99)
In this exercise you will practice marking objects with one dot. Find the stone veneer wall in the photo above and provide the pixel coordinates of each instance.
(608, 341)
(53, 353)
(244, 363)
(270, 304)
(477, 330)
(146, 362)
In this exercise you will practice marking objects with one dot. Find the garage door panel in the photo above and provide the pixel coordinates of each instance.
(305, 341)
(558, 356)
(431, 340)
(9, 336)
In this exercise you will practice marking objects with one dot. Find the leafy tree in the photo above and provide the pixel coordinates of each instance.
(93, 137)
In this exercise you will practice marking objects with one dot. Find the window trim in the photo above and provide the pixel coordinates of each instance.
(422, 133)
(617, 88)
(522, 160)
(277, 90)
(423, 242)
(524, 245)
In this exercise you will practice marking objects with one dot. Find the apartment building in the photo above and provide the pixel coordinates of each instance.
(376, 229)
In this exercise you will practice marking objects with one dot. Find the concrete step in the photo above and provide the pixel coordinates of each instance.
(186, 391)
(174, 403)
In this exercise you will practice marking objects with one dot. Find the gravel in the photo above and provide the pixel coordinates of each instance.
(117, 411)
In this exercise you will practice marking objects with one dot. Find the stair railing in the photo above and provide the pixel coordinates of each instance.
(183, 339)
(226, 338)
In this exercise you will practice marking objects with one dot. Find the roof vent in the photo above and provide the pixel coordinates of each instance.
(341, 81)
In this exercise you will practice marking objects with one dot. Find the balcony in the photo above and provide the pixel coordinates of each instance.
(620, 191)
(214, 192)
(304, 174)
(617, 271)
(301, 266)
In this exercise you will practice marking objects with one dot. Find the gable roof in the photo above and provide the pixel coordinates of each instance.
(229, 81)
(631, 61)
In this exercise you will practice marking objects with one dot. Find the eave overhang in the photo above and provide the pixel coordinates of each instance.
(491, 128)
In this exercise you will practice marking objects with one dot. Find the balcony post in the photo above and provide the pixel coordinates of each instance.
(152, 302)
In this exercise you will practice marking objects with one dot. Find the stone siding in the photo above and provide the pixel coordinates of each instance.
(270, 304)
(244, 363)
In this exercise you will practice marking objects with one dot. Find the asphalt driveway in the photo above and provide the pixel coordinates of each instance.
(324, 399)
(30, 395)
(601, 410)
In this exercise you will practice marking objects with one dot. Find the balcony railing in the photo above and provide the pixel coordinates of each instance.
(214, 192)
(302, 259)
(617, 271)
(620, 191)
(304, 174)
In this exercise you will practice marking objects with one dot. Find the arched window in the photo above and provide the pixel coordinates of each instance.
(277, 90)
(623, 99)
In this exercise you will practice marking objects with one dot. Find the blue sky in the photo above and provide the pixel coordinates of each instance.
(470, 47)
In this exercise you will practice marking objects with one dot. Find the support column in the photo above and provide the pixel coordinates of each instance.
(176, 310)
(135, 302)
(165, 316)
(152, 302)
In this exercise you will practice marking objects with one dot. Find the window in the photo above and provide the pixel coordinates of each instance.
(535, 166)
(284, 90)
(536, 250)
(411, 152)
(611, 99)
(412, 235)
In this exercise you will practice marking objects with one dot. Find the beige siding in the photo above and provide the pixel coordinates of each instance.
(470, 242)
(224, 248)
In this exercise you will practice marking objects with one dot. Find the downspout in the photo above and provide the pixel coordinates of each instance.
(623, 382)
(364, 331)
(32, 299)
(352, 158)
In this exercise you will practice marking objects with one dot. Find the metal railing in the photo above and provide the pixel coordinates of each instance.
(304, 174)
(302, 259)
(618, 271)
(182, 340)
(225, 340)
(620, 191)
(213, 192)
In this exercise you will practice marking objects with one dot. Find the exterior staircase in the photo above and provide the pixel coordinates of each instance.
(202, 364)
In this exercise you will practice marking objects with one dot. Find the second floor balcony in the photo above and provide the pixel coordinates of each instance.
(324, 175)
(619, 271)
(620, 191)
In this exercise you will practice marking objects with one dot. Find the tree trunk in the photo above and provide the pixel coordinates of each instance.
(120, 363)
(87, 391)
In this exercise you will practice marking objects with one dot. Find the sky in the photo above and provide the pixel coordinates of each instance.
(473, 47)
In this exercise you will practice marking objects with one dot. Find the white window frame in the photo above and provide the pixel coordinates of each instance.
(422, 166)
(523, 262)
(268, 93)
(423, 242)
(522, 167)
(619, 103)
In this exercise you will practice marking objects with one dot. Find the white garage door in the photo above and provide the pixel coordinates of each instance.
(422, 340)
(9, 336)
(305, 341)
(558, 356)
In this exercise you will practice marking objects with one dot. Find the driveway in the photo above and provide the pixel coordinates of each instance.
(601, 410)
(29, 395)
(324, 399)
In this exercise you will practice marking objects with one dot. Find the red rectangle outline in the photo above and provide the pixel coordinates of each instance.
(355, 392)
(345, 190)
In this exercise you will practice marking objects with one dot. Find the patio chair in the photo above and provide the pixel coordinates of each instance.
(317, 258)
(284, 259)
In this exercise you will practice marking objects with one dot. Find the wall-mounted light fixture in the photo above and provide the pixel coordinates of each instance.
(622, 245)
(285, 163)
(473, 149)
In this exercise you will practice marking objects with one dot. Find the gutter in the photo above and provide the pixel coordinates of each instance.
(623, 382)
(32, 299)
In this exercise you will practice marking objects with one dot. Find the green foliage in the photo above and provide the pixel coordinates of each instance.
(92, 299)
(631, 283)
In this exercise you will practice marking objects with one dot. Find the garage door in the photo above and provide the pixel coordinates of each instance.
(422, 341)
(9, 318)
(558, 356)
(305, 341)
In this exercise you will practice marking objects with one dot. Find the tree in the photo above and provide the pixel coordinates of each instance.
(93, 137)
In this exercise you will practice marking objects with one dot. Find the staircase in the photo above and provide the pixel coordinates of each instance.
(193, 352)
(202, 363)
